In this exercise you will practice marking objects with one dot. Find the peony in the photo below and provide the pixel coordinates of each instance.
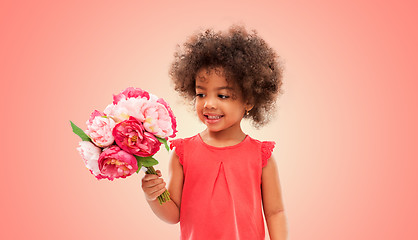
(131, 136)
(173, 118)
(99, 129)
(93, 115)
(126, 108)
(126, 135)
(157, 119)
(116, 163)
(90, 154)
(130, 92)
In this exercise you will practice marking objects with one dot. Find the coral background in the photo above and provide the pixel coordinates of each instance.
(346, 125)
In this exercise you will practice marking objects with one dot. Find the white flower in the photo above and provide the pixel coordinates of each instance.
(90, 154)
(125, 108)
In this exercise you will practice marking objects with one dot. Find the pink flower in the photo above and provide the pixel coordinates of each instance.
(131, 136)
(157, 119)
(116, 163)
(173, 118)
(90, 155)
(93, 115)
(126, 108)
(130, 92)
(99, 129)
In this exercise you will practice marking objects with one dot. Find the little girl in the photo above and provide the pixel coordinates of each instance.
(221, 179)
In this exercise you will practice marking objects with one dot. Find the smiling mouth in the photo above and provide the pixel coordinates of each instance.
(213, 117)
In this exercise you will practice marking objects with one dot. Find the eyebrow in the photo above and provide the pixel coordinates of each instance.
(219, 88)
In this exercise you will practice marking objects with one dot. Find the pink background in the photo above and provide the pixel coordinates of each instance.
(345, 128)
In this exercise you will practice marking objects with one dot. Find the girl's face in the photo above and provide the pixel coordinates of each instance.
(219, 105)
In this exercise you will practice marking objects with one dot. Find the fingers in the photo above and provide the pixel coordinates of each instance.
(153, 192)
(153, 185)
(152, 176)
(148, 177)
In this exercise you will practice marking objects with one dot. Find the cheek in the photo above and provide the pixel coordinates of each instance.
(199, 102)
(198, 106)
(238, 110)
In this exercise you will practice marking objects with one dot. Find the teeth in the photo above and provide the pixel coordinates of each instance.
(214, 117)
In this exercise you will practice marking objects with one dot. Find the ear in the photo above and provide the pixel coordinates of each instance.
(249, 106)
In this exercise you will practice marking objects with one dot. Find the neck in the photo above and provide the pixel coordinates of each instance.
(228, 135)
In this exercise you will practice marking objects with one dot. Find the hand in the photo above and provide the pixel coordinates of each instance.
(153, 185)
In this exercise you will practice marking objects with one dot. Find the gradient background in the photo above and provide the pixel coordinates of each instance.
(346, 126)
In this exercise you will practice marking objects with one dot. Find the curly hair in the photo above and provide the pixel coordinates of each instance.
(245, 58)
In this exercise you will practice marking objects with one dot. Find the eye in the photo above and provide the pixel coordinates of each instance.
(200, 95)
(223, 96)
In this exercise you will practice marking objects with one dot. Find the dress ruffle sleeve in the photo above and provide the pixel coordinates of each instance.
(266, 150)
(178, 144)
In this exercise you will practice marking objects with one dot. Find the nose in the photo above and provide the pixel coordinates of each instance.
(210, 103)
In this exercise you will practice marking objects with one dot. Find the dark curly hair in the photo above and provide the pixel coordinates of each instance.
(245, 58)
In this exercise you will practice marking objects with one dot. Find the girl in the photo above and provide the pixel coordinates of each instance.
(221, 179)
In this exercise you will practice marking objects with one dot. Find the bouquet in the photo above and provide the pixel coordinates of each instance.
(124, 137)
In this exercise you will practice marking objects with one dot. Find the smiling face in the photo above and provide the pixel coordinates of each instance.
(219, 104)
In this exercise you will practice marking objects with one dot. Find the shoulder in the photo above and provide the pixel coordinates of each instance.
(260, 142)
(178, 146)
(265, 145)
(179, 142)
(266, 149)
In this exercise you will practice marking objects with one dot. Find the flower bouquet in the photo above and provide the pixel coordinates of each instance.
(124, 137)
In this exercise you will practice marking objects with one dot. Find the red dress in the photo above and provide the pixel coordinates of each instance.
(221, 196)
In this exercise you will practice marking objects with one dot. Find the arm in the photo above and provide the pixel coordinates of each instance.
(154, 185)
(272, 201)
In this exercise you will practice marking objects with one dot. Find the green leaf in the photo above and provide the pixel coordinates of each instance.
(80, 132)
(139, 164)
(164, 141)
(146, 161)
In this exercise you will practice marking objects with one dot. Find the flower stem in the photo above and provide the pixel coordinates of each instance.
(165, 196)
